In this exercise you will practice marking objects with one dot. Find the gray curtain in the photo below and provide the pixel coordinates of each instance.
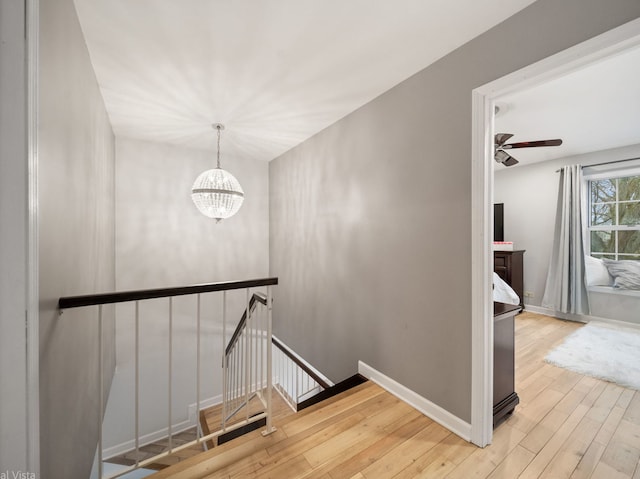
(565, 290)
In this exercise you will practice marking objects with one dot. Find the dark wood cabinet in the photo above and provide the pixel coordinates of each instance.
(509, 266)
(505, 398)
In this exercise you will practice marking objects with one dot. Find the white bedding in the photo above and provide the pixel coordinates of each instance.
(502, 292)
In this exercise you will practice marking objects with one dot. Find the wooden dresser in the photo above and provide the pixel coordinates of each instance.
(505, 398)
(509, 266)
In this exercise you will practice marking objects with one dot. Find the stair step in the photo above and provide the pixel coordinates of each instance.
(241, 431)
(247, 452)
(322, 396)
(334, 390)
(210, 417)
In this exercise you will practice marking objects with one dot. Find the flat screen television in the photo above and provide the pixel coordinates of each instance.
(498, 222)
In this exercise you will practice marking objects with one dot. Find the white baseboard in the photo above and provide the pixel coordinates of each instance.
(578, 317)
(176, 428)
(537, 309)
(128, 446)
(556, 314)
(426, 407)
(194, 416)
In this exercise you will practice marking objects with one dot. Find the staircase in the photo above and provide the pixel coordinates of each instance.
(133, 457)
(247, 368)
(249, 372)
(281, 454)
(211, 418)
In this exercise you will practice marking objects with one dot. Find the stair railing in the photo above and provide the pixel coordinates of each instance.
(293, 377)
(244, 375)
(255, 338)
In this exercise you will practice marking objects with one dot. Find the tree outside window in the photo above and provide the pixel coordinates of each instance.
(614, 218)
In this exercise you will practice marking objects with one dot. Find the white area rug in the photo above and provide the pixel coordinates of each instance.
(603, 351)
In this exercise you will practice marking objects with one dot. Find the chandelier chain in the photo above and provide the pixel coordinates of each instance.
(218, 127)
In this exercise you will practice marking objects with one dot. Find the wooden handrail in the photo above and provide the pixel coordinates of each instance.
(299, 363)
(124, 296)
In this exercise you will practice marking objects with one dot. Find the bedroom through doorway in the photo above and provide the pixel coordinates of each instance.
(496, 186)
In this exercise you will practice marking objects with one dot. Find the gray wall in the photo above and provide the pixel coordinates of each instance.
(76, 234)
(530, 196)
(162, 240)
(13, 238)
(370, 220)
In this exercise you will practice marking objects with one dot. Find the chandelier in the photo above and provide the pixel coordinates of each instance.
(216, 193)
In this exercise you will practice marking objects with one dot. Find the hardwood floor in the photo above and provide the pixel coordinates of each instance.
(566, 426)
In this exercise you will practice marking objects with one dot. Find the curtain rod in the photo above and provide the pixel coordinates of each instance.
(605, 163)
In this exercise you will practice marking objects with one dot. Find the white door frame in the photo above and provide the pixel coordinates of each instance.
(591, 51)
(32, 293)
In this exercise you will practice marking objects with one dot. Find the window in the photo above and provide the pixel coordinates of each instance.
(614, 217)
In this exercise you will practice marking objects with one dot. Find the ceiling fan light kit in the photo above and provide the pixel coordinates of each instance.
(500, 145)
(217, 193)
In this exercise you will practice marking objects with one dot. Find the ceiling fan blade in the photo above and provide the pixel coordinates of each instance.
(505, 158)
(510, 161)
(502, 138)
(532, 144)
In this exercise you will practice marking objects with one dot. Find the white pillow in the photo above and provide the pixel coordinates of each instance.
(596, 273)
(625, 272)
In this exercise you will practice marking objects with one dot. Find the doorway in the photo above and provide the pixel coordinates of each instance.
(484, 99)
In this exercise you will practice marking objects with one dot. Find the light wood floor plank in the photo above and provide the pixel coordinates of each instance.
(436, 462)
(548, 452)
(483, 461)
(623, 450)
(515, 462)
(567, 458)
(264, 461)
(407, 452)
(352, 440)
(633, 409)
(530, 415)
(589, 461)
(604, 471)
(567, 426)
(310, 419)
(540, 434)
(414, 423)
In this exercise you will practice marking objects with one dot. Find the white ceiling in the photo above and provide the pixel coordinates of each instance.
(275, 72)
(592, 109)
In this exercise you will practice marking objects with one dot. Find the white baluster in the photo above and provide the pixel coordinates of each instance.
(270, 429)
(262, 358)
(137, 385)
(198, 428)
(170, 371)
(101, 388)
(225, 372)
(247, 356)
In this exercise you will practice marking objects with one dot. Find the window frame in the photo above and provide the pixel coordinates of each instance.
(606, 174)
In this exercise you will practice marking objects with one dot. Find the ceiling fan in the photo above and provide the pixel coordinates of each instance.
(500, 145)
